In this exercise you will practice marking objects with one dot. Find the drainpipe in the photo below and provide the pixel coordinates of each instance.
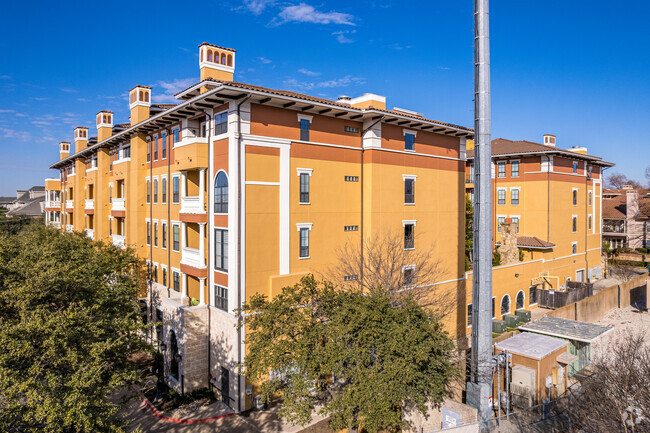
(239, 256)
(209, 278)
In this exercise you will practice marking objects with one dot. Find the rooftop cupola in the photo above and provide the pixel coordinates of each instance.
(64, 149)
(139, 103)
(80, 138)
(217, 63)
(368, 100)
(104, 125)
(549, 140)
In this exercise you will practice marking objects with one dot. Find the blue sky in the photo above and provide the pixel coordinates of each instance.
(575, 69)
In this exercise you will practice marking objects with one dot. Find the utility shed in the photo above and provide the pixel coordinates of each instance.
(543, 360)
(579, 335)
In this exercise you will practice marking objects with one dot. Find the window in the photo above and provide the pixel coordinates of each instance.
(221, 123)
(493, 309)
(148, 233)
(126, 152)
(505, 305)
(175, 189)
(304, 188)
(520, 301)
(164, 277)
(500, 220)
(589, 198)
(221, 249)
(575, 197)
(173, 359)
(164, 145)
(409, 141)
(409, 191)
(469, 314)
(574, 248)
(514, 197)
(408, 276)
(155, 148)
(155, 190)
(176, 134)
(532, 295)
(516, 221)
(304, 129)
(164, 235)
(176, 229)
(589, 222)
(575, 224)
(501, 169)
(221, 193)
(155, 234)
(501, 197)
(148, 191)
(221, 298)
(514, 169)
(148, 150)
(164, 190)
(304, 242)
(177, 281)
(575, 167)
(409, 240)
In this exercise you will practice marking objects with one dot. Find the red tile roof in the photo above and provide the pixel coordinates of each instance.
(533, 242)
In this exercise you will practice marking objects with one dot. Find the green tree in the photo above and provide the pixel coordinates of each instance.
(383, 353)
(69, 326)
(469, 232)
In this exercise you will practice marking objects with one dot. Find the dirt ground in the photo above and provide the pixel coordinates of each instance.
(625, 321)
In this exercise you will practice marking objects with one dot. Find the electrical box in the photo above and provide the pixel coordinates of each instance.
(523, 315)
(498, 326)
(522, 386)
(511, 320)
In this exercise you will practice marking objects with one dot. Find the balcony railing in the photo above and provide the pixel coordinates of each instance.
(192, 257)
(69, 204)
(90, 204)
(90, 233)
(190, 138)
(118, 241)
(620, 229)
(53, 203)
(192, 204)
(69, 228)
(118, 204)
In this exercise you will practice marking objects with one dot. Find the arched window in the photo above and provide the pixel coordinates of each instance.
(221, 193)
(229, 59)
(520, 300)
(209, 55)
(174, 357)
(146, 96)
(223, 59)
(505, 305)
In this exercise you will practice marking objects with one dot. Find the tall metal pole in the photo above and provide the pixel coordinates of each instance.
(479, 389)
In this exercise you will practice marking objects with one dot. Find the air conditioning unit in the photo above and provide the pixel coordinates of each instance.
(257, 403)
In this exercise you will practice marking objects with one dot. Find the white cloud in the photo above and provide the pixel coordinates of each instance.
(308, 72)
(41, 122)
(15, 135)
(170, 88)
(327, 84)
(340, 36)
(5, 77)
(264, 60)
(68, 90)
(257, 6)
(399, 47)
(304, 13)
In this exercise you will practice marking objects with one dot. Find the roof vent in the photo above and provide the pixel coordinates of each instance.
(344, 99)
(405, 111)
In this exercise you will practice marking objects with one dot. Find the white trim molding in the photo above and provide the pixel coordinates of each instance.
(305, 117)
(308, 171)
(304, 226)
(407, 222)
(413, 132)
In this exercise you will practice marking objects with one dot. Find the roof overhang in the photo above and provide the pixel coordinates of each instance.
(593, 159)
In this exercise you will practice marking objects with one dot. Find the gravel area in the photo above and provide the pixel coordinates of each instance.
(625, 321)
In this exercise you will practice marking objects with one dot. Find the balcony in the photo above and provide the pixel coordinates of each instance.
(69, 228)
(614, 229)
(192, 204)
(69, 204)
(118, 204)
(192, 257)
(90, 233)
(118, 241)
(90, 204)
(53, 204)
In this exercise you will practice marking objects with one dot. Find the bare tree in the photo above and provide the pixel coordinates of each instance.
(617, 180)
(382, 263)
(624, 271)
(647, 175)
(616, 397)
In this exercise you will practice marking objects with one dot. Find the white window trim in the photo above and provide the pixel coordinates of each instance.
(497, 221)
(509, 305)
(470, 323)
(413, 132)
(304, 226)
(413, 222)
(304, 171)
(518, 162)
(576, 245)
(576, 191)
(305, 117)
(576, 217)
(410, 176)
(524, 293)
(518, 221)
(505, 191)
(180, 237)
(514, 188)
(504, 170)
(171, 188)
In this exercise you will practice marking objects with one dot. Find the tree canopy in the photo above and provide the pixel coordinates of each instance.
(69, 325)
(358, 358)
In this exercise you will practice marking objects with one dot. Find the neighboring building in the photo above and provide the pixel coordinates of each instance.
(240, 189)
(546, 205)
(626, 217)
(29, 203)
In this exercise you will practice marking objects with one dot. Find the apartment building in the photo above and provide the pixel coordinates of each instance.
(239, 189)
(626, 217)
(549, 201)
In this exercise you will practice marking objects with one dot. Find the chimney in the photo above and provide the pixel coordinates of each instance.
(216, 63)
(64, 149)
(549, 140)
(80, 138)
(509, 250)
(344, 99)
(578, 149)
(368, 100)
(104, 125)
(139, 103)
(632, 204)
